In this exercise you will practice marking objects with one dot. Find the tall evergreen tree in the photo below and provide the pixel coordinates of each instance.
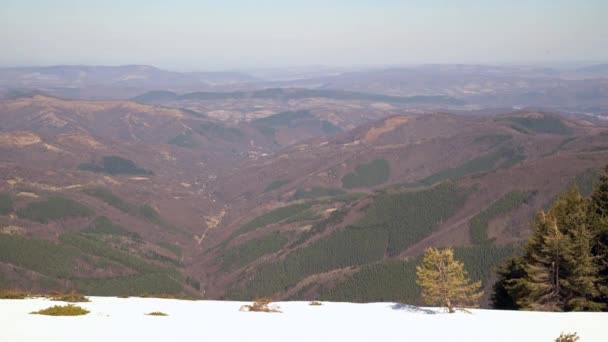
(559, 269)
(599, 196)
(444, 281)
(540, 288)
(580, 272)
(504, 295)
(598, 220)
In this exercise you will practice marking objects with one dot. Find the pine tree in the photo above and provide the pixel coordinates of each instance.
(598, 221)
(540, 288)
(504, 295)
(580, 272)
(599, 196)
(559, 268)
(444, 281)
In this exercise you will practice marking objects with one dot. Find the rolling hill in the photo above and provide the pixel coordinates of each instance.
(118, 197)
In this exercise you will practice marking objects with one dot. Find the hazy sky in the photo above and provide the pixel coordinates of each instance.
(200, 34)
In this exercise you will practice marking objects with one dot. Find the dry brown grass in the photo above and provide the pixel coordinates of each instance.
(388, 125)
(315, 303)
(13, 294)
(569, 337)
(261, 305)
(156, 313)
(72, 297)
(19, 139)
(179, 296)
(66, 310)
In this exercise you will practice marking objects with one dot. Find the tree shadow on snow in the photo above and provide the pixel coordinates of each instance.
(412, 308)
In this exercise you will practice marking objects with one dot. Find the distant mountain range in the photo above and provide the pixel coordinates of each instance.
(582, 90)
(287, 94)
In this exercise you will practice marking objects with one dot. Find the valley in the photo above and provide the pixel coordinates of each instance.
(302, 197)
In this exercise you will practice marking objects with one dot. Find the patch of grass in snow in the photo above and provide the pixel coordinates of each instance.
(156, 313)
(567, 337)
(261, 305)
(66, 310)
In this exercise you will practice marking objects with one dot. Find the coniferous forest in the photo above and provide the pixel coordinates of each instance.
(564, 264)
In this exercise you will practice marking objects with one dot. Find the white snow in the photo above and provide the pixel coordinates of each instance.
(119, 319)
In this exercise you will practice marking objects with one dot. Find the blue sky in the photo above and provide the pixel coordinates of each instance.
(200, 35)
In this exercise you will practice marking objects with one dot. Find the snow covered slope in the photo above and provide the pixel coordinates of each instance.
(116, 319)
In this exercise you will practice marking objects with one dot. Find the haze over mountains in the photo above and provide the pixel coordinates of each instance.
(297, 184)
(576, 89)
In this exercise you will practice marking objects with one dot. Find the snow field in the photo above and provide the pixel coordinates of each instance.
(123, 319)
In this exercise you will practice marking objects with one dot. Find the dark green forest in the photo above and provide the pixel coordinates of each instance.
(408, 216)
(479, 224)
(502, 157)
(53, 208)
(395, 280)
(373, 173)
(114, 165)
(544, 123)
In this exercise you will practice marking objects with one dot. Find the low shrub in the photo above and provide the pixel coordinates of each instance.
(72, 297)
(573, 337)
(315, 303)
(261, 305)
(13, 294)
(66, 310)
(156, 313)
